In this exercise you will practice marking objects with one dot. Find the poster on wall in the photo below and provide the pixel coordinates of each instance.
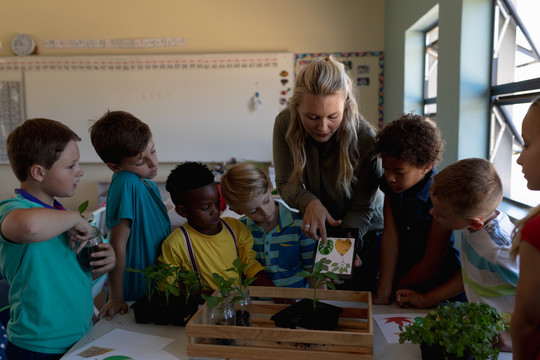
(366, 70)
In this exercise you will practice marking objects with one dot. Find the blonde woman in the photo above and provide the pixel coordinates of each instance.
(323, 155)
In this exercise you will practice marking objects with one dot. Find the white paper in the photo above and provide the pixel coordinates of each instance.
(131, 345)
(389, 324)
(338, 254)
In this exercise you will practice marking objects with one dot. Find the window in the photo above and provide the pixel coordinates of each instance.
(430, 72)
(515, 83)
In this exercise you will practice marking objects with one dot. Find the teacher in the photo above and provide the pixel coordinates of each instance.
(324, 161)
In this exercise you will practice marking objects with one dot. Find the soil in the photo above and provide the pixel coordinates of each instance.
(435, 352)
(159, 311)
(302, 314)
(242, 318)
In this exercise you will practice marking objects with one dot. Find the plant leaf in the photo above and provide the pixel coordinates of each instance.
(83, 207)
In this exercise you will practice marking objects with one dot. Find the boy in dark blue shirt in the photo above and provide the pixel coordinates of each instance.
(416, 251)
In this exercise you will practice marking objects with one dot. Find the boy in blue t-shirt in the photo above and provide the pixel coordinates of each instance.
(136, 216)
(50, 294)
(281, 246)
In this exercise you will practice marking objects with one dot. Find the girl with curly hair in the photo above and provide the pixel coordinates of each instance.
(325, 166)
(417, 254)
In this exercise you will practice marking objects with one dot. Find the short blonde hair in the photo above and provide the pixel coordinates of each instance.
(469, 187)
(242, 182)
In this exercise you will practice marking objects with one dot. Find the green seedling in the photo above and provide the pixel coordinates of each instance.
(328, 277)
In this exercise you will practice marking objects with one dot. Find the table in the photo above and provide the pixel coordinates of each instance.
(381, 349)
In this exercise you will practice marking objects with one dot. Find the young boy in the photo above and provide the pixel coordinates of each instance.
(465, 197)
(281, 246)
(416, 251)
(136, 216)
(50, 294)
(206, 243)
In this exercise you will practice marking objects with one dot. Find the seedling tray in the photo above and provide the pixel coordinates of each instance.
(353, 338)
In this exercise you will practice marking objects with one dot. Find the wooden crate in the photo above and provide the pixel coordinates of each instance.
(353, 339)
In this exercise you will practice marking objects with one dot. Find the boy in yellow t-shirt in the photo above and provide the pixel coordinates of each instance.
(206, 243)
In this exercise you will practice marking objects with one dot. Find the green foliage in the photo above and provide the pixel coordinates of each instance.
(224, 288)
(227, 288)
(169, 279)
(239, 292)
(82, 208)
(319, 277)
(189, 281)
(459, 328)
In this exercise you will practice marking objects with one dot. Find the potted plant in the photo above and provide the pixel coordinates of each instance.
(172, 295)
(232, 293)
(456, 330)
(220, 306)
(311, 313)
(240, 293)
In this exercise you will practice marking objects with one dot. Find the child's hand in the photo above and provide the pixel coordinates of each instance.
(357, 261)
(505, 342)
(106, 260)
(408, 298)
(113, 307)
(79, 233)
(380, 299)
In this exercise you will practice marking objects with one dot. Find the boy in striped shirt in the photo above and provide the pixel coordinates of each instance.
(465, 196)
(281, 246)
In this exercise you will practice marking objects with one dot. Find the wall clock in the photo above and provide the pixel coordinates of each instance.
(23, 44)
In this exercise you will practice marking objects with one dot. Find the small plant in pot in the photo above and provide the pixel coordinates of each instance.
(220, 306)
(172, 295)
(456, 330)
(240, 293)
(312, 313)
(233, 293)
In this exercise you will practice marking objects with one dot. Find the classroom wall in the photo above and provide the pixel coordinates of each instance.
(297, 26)
(463, 70)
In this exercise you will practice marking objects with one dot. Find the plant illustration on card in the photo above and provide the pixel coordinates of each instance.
(326, 249)
(337, 255)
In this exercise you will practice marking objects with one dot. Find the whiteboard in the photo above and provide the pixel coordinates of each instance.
(208, 107)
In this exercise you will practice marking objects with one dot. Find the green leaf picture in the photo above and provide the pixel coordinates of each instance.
(325, 250)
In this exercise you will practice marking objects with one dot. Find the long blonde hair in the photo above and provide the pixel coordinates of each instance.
(326, 76)
(516, 235)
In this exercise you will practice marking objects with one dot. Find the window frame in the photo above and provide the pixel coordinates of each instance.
(512, 93)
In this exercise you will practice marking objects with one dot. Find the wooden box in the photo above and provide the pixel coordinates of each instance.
(353, 339)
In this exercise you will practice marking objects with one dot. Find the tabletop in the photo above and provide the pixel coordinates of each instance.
(382, 350)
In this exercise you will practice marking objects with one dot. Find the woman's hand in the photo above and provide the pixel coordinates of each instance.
(315, 218)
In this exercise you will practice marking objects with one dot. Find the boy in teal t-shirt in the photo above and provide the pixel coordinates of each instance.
(50, 294)
(136, 216)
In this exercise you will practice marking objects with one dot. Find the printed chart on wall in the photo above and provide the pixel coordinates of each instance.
(200, 107)
(366, 69)
(11, 107)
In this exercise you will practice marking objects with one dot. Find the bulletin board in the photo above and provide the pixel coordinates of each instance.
(366, 69)
(200, 107)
